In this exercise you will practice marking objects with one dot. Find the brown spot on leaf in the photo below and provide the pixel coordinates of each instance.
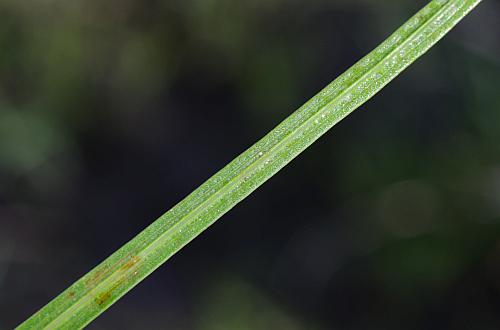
(97, 276)
(124, 264)
(131, 263)
(102, 298)
(124, 274)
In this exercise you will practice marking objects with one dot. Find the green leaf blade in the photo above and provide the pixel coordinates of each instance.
(95, 292)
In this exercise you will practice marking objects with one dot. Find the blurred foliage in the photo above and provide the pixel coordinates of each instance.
(100, 119)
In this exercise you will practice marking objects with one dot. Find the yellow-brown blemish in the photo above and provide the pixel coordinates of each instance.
(98, 275)
(103, 272)
(103, 297)
(131, 263)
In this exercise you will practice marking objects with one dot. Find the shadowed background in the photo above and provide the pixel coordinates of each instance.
(113, 111)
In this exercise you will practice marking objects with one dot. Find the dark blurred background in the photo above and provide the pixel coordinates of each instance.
(112, 111)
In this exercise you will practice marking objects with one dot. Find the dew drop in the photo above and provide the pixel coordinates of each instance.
(366, 62)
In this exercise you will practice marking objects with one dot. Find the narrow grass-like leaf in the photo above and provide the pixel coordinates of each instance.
(95, 292)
